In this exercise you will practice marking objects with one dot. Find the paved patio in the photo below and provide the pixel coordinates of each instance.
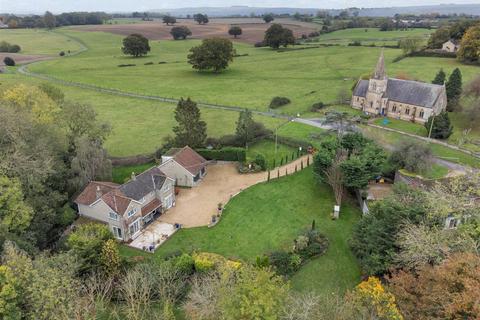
(154, 234)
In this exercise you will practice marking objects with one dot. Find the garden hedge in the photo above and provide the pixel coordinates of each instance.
(224, 154)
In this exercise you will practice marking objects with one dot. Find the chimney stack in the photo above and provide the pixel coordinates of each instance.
(133, 176)
(98, 193)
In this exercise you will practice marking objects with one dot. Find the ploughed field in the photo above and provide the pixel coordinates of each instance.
(253, 29)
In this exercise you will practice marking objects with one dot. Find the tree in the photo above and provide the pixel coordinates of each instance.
(410, 44)
(370, 297)
(10, 299)
(413, 156)
(454, 89)
(180, 32)
(90, 162)
(374, 238)
(470, 45)
(110, 258)
(438, 38)
(245, 130)
(49, 20)
(440, 78)
(213, 54)
(169, 20)
(135, 45)
(200, 18)
(87, 243)
(53, 92)
(235, 31)
(341, 121)
(277, 36)
(268, 18)
(446, 291)
(442, 128)
(190, 129)
(15, 214)
(9, 61)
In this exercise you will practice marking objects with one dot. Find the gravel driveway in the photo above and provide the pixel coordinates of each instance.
(195, 206)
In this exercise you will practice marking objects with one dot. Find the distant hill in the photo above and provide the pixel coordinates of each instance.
(471, 9)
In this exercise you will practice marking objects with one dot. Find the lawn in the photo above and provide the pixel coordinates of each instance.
(401, 125)
(304, 76)
(38, 41)
(121, 174)
(268, 217)
(435, 172)
(267, 149)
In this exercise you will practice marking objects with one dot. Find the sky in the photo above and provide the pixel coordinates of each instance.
(58, 6)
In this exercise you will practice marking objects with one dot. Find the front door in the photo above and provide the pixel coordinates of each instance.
(117, 232)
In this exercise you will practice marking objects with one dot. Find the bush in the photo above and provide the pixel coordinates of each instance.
(148, 63)
(14, 48)
(9, 61)
(317, 106)
(62, 53)
(355, 43)
(260, 161)
(259, 44)
(224, 154)
(184, 263)
(7, 47)
(284, 263)
(127, 65)
(278, 102)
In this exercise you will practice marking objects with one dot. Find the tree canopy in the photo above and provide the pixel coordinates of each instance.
(235, 31)
(135, 45)
(470, 46)
(268, 17)
(213, 54)
(454, 89)
(190, 129)
(169, 20)
(277, 36)
(180, 32)
(201, 18)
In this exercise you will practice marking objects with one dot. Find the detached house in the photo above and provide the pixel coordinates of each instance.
(130, 207)
(451, 45)
(184, 165)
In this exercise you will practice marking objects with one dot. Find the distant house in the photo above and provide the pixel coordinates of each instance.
(184, 165)
(451, 45)
(401, 99)
(130, 207)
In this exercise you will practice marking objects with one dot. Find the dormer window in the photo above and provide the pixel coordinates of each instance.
(113, 216)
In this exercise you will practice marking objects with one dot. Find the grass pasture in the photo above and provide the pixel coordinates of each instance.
(304, 76)
(267, 149)
(268, 217)
(38, 41)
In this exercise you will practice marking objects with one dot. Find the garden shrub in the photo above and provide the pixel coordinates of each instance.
(62, 53)
(9, 61)
(284, 263)
(317, 106)
(202, 263)
(184, 263)
(224, 154)
(260, 161)
(278, 102)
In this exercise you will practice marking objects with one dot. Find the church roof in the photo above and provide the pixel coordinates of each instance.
(361, 88)
(413, 92)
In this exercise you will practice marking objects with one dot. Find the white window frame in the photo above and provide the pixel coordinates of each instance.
(132, 212)
(110, 216)
(139, 227)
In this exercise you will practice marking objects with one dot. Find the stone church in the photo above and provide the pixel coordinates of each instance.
(400, 99)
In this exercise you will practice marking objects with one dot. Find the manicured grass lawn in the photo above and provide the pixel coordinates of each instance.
(304, 76)
(38, 41)
(122, 173)
(405, 126)
(267, 149)
(268, 217)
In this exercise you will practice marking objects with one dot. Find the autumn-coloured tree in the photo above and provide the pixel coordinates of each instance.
(110, 257)
(447, 291)
(470, 46)
(370, 298)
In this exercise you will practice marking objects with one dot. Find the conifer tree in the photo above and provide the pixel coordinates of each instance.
(245, 131)
(454, 89)
(442, 128)
(440, 78)
(190, 130)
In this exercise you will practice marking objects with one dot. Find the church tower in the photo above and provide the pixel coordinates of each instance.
(377, 87)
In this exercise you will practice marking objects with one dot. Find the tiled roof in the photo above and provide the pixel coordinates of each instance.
(117, 201)
(89, 194)
(189, 159)
(143, 183)
(152, 205)
(361, 88)
(413, 92)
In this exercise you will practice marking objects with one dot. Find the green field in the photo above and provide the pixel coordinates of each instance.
(38, 41)
(304, 76)
(401, 125)
(269, 216)
(372, 35)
